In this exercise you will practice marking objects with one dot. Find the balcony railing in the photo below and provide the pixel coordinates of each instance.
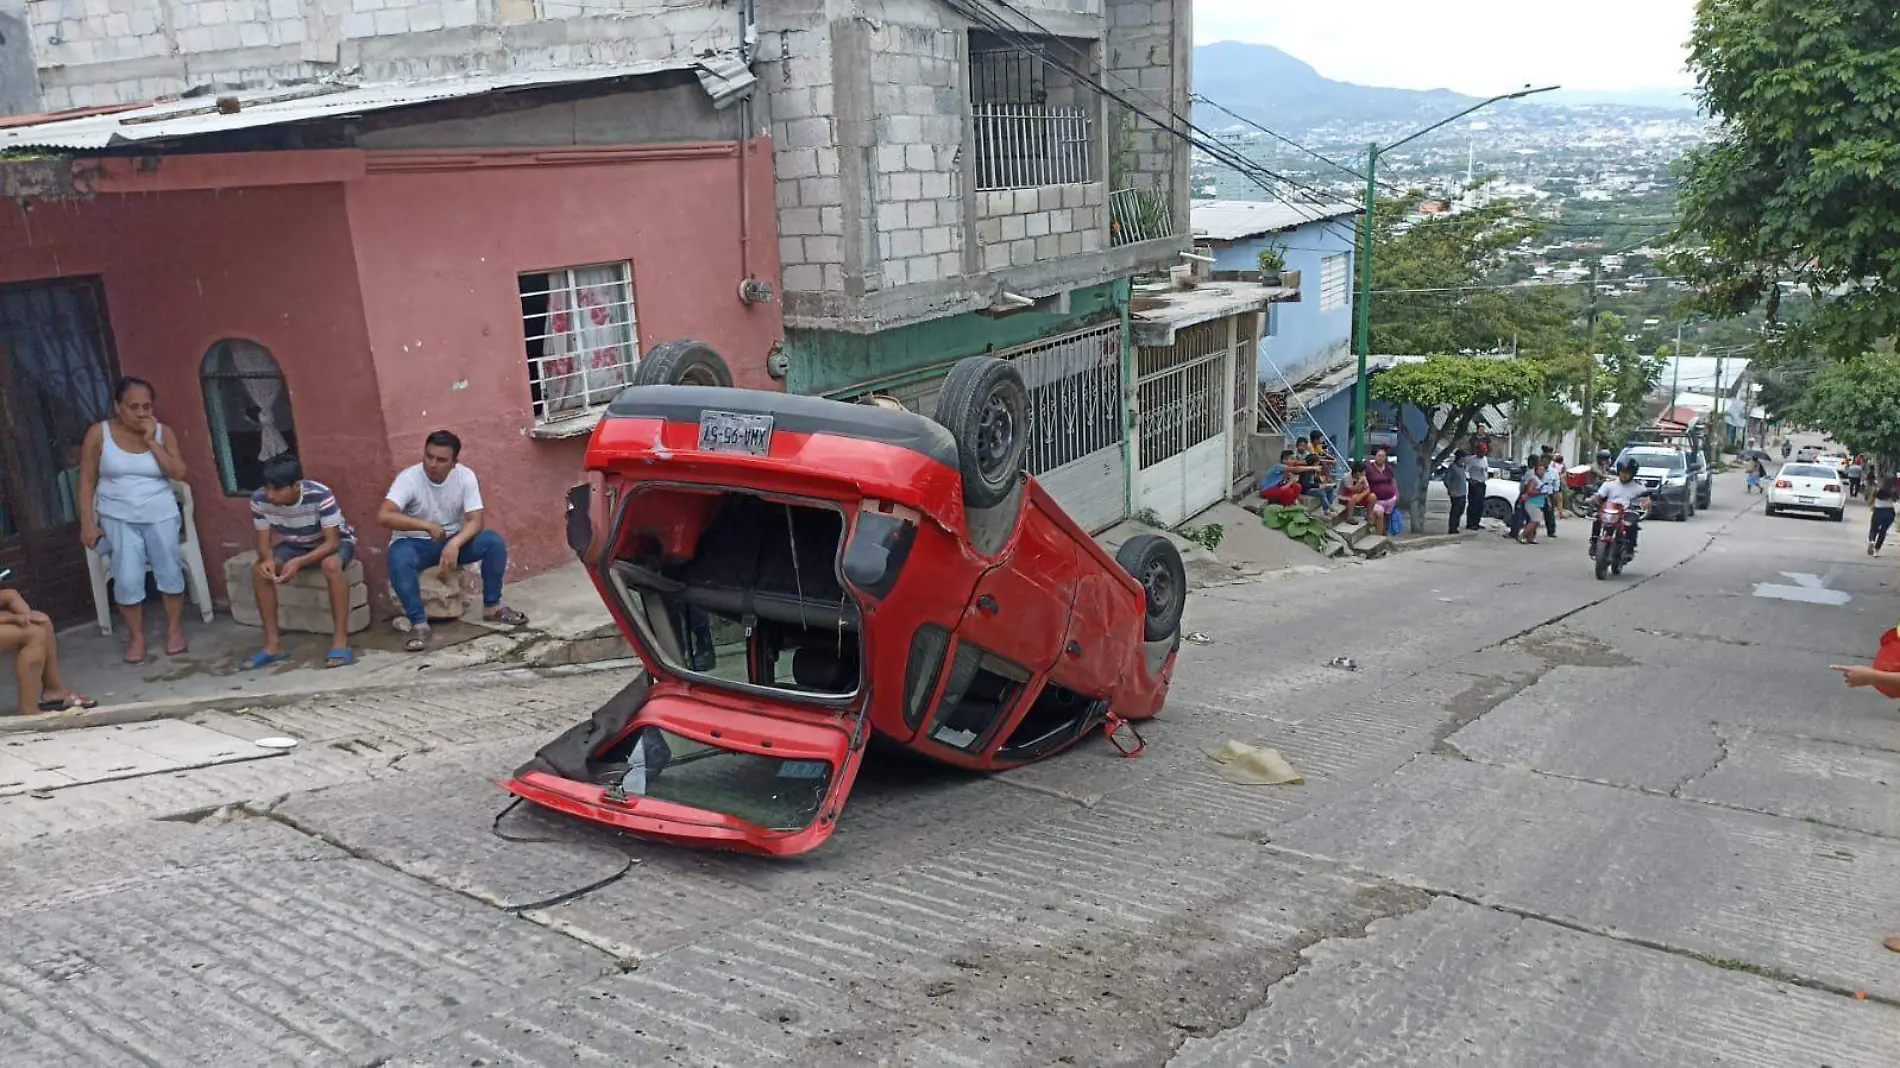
(1023, 146)
(1138, 215)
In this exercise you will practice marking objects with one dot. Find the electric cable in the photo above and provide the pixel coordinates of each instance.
(565, 896)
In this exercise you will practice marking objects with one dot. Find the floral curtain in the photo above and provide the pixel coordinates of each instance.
(56, 378)
(264, 385)
(589, 347)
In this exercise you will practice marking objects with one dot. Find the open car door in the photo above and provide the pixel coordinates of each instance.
(660, 762)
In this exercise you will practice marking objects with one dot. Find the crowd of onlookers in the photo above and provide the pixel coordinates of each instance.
(1310, 469)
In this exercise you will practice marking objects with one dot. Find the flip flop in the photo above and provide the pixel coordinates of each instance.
(264, 658)
(177, 650)
(342, 657)
(418, 638)
(507, 617)
(73, 700)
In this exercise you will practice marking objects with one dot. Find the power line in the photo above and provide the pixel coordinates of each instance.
(1286, 140)
(1528, 285)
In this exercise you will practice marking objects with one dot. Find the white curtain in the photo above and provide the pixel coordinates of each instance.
(589, 345)
(264, 385)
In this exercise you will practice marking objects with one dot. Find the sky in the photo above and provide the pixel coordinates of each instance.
(1477, 47)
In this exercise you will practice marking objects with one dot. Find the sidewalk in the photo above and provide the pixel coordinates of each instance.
(567, 625)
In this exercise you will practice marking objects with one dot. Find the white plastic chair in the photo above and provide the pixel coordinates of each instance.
(188, 548)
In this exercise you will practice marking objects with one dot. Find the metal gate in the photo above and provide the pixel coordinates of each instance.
(1185, 409)
(1077, 433)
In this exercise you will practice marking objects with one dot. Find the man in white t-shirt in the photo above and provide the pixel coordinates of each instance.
(433, 512)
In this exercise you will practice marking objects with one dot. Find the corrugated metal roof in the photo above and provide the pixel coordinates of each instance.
(1232, 220)
(200, 115)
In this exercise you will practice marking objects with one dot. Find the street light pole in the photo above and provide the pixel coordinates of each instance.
(1360, 402)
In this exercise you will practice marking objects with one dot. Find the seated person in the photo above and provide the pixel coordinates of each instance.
(28, 635)
(299, 527)
(1282, 485)
(434, 515)
(1356, 493)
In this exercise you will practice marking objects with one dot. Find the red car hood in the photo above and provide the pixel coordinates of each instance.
(694, 794)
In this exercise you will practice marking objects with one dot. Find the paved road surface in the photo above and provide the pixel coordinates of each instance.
(1550, 821)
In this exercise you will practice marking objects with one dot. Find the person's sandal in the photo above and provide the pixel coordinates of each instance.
(418, 638)
(73, 701)
(506, 617)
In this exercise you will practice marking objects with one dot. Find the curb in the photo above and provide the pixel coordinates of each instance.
(530, 660)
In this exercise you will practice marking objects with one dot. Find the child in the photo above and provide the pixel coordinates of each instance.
(1756, 472)
(1356, 492)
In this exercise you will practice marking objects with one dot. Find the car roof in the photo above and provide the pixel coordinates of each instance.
(791, 412)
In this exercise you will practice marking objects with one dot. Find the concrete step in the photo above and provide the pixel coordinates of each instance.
(1373, 547)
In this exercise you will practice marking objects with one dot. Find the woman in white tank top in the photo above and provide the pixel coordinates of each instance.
(129, 515)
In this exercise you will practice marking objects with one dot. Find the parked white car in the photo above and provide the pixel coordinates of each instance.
(1800, 487)
(1500, 496)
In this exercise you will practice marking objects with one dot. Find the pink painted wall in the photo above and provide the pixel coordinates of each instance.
(440, 240)
(182, 270)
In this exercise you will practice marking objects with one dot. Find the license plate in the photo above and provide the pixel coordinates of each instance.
(739, 432)
(1805, 500)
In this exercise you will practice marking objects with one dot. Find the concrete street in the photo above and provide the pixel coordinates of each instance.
(1549, 820)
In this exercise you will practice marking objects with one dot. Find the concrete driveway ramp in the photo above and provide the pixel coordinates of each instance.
(52, 760)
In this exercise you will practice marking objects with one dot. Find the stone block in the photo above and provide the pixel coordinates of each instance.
(1036, 224)
(791, 250)
(824, 250)
(303, 603)
(808, 133)
(921, 158)
(1352, 532)
(1014, 227)
(1022, 253)
(901, 129)
(906, 243)
(922, 214)
(1048, 247)
(1026, 201)
(921, 269)
(936, 186)
(1373, 547)
(814, 192)
(798, 222)
(941, 239)
(995, 257)
(890, 158)
(1061, 221)
(802, 278)
(890, 217)
(1071, 244)
(907, 186)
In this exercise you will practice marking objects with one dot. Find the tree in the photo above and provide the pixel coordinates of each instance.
(1450, 392)
(1443, 253)
(1857, 403)
(1801, 188)
(1624, 378)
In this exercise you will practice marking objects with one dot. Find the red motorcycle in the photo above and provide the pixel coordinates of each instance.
(1614, 543)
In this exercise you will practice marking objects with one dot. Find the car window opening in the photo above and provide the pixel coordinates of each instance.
(741, 589)
(980, 691)
(767, 792)
(1057, 716)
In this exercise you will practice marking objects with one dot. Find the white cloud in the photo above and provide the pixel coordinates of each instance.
(1473, 46)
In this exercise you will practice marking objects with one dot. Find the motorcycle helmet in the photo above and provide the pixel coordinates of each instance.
(1626, 465)
(1604, 456)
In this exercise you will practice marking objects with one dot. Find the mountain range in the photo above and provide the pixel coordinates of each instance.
(1263, 82)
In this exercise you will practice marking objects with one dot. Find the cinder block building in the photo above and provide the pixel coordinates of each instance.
(976, 176)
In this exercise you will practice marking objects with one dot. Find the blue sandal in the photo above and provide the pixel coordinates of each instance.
(264, 658)
(337, 658)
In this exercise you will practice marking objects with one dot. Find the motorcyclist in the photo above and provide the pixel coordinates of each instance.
(1600, 471)
(1626, 491)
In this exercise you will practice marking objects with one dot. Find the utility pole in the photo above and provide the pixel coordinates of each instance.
(1718, 416)
(1590, 375)
(1359, 397)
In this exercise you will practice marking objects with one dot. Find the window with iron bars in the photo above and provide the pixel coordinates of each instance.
(583, 338)
(1033, 124)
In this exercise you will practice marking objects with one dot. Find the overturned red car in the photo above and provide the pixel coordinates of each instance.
(799, 575)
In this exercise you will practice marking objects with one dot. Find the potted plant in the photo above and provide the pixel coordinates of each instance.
(1272, 263)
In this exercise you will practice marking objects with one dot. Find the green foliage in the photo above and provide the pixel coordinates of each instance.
(1857, 403)
(1802, 184)
(1451, 391)
(1147, 517)
(1442, 252)
(1208, 537)
(1272, 260)
(1296, 523)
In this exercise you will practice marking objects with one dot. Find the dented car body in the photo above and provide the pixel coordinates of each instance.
(798, 575)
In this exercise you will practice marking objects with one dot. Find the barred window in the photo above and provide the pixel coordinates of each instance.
(583, 339)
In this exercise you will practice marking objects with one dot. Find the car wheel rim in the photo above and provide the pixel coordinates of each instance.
(995, 436)
(1160, 587)
(698, 376)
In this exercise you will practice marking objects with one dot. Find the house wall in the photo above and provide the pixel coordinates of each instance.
(881, 224)
(440, 242)
(182, 270)
(1304, 340)
(92, 53)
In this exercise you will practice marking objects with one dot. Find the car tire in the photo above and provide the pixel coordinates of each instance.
(683, 362)
(1496, 508)
(1770, 510)
(1839, 515)
(1156, 564)
(985, 406)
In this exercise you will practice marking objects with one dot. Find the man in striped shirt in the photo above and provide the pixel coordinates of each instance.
(299, 527)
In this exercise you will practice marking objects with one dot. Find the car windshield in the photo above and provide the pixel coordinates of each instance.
(1657, 458)
(742, 589)
(778, 795)
(1808, 471)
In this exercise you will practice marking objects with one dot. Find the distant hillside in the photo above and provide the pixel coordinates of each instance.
(1264, 83)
